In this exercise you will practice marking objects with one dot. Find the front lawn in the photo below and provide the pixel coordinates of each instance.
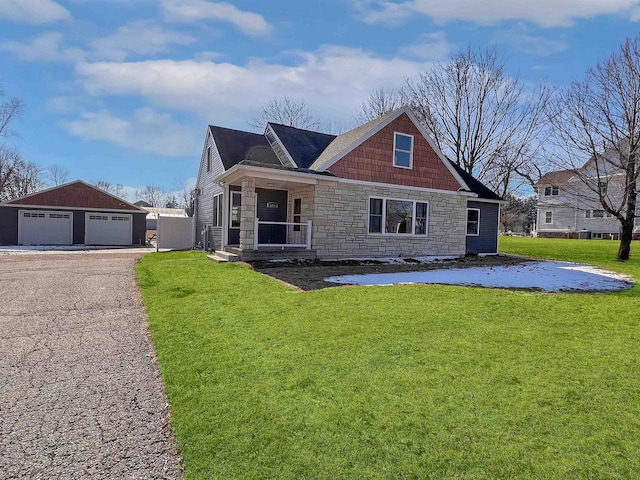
(410, 381)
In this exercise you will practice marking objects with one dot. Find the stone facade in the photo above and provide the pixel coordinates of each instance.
(341, 218)
(247, 213)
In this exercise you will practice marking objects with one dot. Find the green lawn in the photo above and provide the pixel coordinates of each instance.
(397, 382)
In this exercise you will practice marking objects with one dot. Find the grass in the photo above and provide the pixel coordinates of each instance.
(397, 382)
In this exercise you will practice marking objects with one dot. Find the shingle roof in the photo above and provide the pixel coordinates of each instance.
(475, 185)
(304, 146)
(235, 146)
(559, 177)
(346, 139)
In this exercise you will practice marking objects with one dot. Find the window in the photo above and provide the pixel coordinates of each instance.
(598, 213)
(297, 210)
(217, 210)
(587, 214)
(120, 219)
(33, 215)
(602, 188)
(473, 222)
(402, 150)
(58, 215)
(551, 191)
(402, 217)
(98, 217)
(208, 159)
(548, 217)
(375, 215)
(236, 206)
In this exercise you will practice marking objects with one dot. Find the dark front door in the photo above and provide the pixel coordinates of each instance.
(272, 207)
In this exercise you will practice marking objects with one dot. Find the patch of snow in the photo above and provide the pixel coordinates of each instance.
(547, 276)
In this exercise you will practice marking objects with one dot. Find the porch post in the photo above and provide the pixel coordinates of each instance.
(247, 215)
(308, 234)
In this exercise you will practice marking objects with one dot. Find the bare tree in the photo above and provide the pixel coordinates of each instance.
(115, 189)
(598, 119)
(481, 118)
(57, 175)
(183, 196)
(17, 176)
(380, 102)
(9, 110)
(154, 196)
(286, 111)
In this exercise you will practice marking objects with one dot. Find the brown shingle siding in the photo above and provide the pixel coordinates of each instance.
(373, 161)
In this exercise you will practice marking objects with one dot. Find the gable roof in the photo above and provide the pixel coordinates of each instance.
(475, 185)
(346, 140)
(76, 194)
(235, 146)
(559, 177)
(304, 146)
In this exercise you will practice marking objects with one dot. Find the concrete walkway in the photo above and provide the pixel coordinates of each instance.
(80, 391)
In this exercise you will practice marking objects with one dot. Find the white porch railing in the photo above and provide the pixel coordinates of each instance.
(295, 234)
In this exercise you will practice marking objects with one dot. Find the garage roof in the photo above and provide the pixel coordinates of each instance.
(76, 194)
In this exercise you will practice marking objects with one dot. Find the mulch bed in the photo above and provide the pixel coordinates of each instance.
(310, 274)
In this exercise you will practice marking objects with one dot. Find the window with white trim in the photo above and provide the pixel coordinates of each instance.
(473, 222)
(551, 191)
(402, 150)
(598, 213)
(398, 217)
(236, 209)
(548, 217)
(208, 158)
(602, 188)
(217, 210)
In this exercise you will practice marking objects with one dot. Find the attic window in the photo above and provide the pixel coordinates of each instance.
(208, 159)
(402, 150)
(551, 191)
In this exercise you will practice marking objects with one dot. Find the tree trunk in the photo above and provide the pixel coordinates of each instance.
(626, 235)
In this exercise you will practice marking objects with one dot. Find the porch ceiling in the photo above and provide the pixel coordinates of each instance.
(273, 180)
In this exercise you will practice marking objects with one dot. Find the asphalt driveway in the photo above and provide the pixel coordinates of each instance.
(80, 391)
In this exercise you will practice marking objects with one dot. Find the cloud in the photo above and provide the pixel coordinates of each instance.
(44, 47)
(546, 13)
(198, 10)
(430, 46)
(330, 80)
(138, 38)
(520, 39)
(145, 130)
(34, 12)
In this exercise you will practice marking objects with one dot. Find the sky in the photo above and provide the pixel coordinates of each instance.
(123, 90)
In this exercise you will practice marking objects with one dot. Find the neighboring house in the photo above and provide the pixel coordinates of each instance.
(73, 213)
(382, 189)
(155, 212)
(569, 204)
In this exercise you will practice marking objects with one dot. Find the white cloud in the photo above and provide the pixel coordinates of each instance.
(430, 46)
(43, 47)
(145, 130)
(34, 12)
(333, 80)
(520, 39)
(198, 10)
(139, 38)
(546, 13)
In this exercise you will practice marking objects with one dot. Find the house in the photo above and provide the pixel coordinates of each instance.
(569, 204)
(382, 189)
(73, 213)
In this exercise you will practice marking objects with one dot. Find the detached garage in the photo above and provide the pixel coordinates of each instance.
(74, 213)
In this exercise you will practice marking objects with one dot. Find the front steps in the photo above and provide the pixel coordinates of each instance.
(222, 256)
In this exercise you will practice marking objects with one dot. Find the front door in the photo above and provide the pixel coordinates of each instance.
(272, 207)
(235, 210)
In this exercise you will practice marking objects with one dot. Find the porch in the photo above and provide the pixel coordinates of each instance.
(269, 216)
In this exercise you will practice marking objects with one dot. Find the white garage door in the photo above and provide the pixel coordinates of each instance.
(108, 229)
(41, 227)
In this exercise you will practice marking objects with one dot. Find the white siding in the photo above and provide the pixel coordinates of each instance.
(207, 186)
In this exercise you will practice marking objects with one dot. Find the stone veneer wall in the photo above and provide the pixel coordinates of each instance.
(341, 219)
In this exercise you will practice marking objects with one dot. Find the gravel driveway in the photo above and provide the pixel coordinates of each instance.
(80, 391)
